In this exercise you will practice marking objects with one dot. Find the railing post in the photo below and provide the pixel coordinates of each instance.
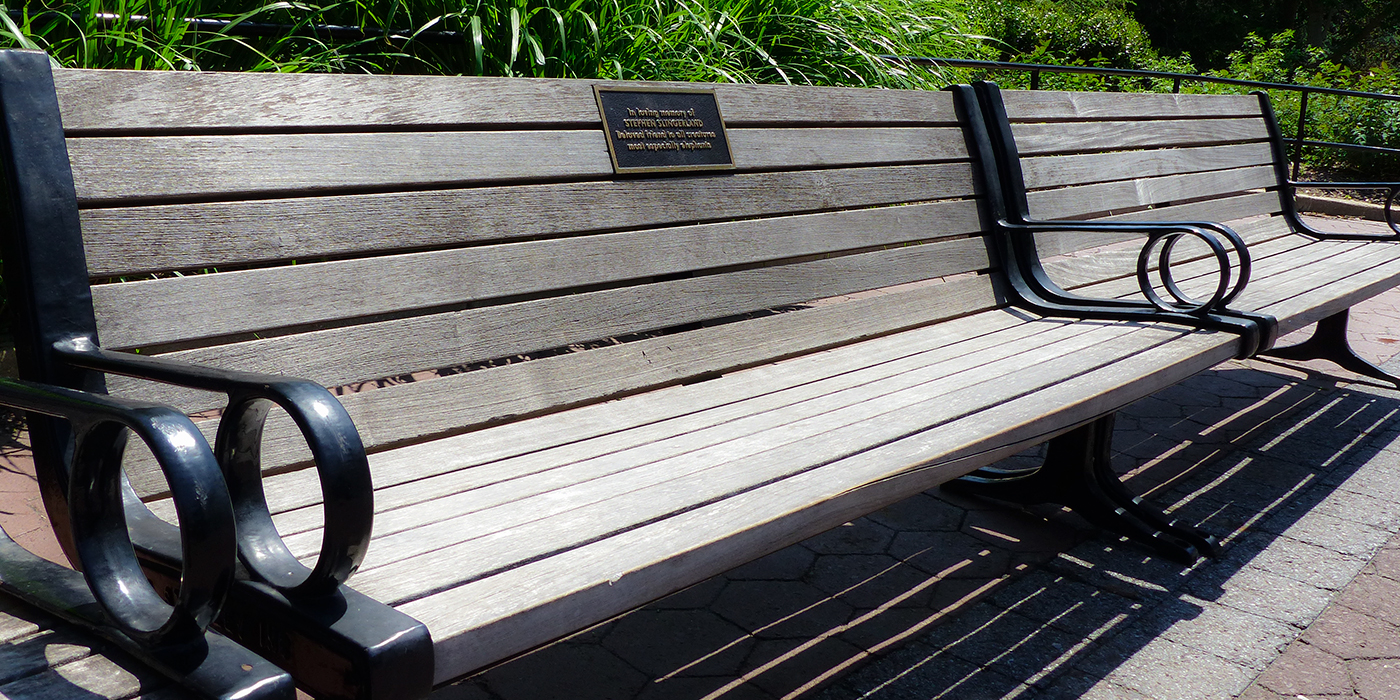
(1302, 125)
(1176, 86)
(1035, 80)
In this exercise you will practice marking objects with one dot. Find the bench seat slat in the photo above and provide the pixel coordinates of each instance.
(1078, 202)
(399, 473)
(1119, 260)
(1086, 169)
(409, 412)
(1069, 137)
(882, 365)
(606, 577)
(154, 312)
(152, 169)
(461, 552)
(217, 234)
(1054, 105)
(144, 101)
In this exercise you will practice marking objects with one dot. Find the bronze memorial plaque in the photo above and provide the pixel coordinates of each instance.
(663, 129)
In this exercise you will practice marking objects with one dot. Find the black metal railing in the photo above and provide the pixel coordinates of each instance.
(1298, 142)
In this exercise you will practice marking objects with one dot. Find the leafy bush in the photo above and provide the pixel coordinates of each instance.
(795, 41)
(1367, 122)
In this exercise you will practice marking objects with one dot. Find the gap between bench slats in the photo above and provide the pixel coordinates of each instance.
(112, 101)
(478, 623)
(151, 169)
(193, 236)
(414, 411)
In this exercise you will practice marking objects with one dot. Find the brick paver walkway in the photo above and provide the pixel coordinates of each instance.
(948, 597)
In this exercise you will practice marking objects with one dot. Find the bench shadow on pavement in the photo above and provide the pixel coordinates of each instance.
(943, 596)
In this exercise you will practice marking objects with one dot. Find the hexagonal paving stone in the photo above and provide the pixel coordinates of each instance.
(770, 609)
(565, 672)
(863, 536)
(665, 642)
(963, 554)
(869, 580)
(787, 564)
(921, 512)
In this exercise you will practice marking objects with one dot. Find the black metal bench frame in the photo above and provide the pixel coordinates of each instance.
(306, 620)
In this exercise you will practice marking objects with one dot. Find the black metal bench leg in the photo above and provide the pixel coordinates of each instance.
(1329, 342)
(1077, 473)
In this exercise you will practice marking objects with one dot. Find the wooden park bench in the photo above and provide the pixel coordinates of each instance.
(590, 364)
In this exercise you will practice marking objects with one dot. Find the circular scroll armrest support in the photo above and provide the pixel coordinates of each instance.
(95, 501)
(1183, 303)
(346, 490)
(341, 464)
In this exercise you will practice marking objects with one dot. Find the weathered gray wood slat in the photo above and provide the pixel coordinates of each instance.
(762, 398)
(368, 352)
(1113, 197)
(167, 167)
(408, 412)
(1089, 168)
(133, 240)
(104, 101)
(90, 677)
(504, 614)
(37, 653)
(1040, 139)
(1231, 208)
(1279, 256)
(602, 425)
(1121, 260)
(157, 311)
(1033, 105)
(468, 547)
(1049, 244)
(1331, 297)
(397, 473)
(1298, 299)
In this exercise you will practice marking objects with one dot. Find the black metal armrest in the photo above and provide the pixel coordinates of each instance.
(1030, 281)
(171, 638)
(1165, 234)
(1393, 190)
(348, 494)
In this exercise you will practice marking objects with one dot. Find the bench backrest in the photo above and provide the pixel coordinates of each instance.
(1142, 156)
(357, 229)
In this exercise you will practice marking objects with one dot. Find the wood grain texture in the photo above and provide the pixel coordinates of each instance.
(1072, 137)
(1051, 105)
(458, 550)
(159, 311)
(758, 400)
(340, 356)
(1114, 197)
(1083, 169)
(134, 240)
(156, 168)
(123, 101)
(409, 412)
(476, 621)
(600, 426)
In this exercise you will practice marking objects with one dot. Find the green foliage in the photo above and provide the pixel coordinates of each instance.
(1095, 33)
(1362, 121)
(794, 41)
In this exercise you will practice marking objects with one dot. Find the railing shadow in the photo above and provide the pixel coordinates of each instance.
(944, 596)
